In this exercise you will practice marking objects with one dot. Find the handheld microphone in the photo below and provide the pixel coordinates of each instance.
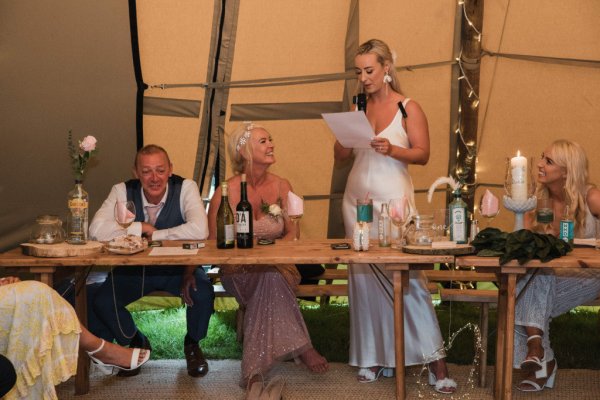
(361, 102)
(402, 110)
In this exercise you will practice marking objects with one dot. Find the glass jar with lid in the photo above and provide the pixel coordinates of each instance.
(47, 230)
(421, 231)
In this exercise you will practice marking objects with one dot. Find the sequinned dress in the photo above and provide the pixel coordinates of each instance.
(370, 289)
(274, 329)
(39, 334)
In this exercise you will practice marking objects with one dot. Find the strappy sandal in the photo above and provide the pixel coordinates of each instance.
(534, 363)
(107, 369)
(368, 375)
(536, 387)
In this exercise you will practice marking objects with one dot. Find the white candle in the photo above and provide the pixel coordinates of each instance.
(518, 166)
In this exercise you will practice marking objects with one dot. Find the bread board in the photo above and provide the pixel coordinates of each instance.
(61, 249)
(460, 249)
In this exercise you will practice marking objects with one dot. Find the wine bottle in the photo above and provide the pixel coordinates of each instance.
(243, 219)
(458, 219)
(225, 226)
(77, 219)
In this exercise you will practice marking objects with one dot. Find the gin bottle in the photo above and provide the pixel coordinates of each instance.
(77, 219)
(458, 219)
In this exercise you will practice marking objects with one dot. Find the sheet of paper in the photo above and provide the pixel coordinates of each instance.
(172, 251)
(352, 129)
(584, 242)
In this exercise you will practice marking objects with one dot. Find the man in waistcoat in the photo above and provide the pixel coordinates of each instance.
(168, 207)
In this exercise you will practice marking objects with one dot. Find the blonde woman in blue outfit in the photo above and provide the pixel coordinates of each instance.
(562, 177)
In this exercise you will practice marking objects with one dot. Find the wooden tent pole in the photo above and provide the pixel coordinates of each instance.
(463, 151)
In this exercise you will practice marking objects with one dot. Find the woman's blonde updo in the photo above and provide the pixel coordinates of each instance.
(240, 147)
(384, 57)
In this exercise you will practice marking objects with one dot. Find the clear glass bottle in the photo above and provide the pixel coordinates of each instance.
(77, 219)
(385, 227)
(474, 230)
(243, 219)
(225, 226)
(458, 219)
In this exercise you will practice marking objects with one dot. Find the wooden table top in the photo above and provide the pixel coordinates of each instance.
(580, 257)
(282, 252)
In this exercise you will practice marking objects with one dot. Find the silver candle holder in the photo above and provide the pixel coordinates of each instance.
(519, 207)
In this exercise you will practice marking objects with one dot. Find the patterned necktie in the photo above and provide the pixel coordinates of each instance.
(152, 211)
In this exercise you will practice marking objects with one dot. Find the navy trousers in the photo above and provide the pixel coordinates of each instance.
(8, 377)
(112, 321)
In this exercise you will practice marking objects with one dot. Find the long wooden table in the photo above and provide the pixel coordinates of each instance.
(578, 258)
(283, 252)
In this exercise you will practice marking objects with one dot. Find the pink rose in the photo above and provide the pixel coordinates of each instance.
(88, 143)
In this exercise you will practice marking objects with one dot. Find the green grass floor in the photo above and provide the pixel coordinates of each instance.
(574, 335)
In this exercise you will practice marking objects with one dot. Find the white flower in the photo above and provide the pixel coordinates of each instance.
(275, 210)
(88, 143)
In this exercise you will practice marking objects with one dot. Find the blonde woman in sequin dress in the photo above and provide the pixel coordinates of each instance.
(274, 329)
(41, 335)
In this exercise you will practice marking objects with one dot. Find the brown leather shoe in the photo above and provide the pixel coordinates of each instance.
(196, 363)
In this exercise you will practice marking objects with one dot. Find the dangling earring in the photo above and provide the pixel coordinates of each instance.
(387, 78)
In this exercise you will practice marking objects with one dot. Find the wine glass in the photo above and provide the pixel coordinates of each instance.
(489, 207)
(295, 211)
(124, 213)
(399, 210)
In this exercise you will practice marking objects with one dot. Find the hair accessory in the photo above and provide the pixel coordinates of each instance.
(387, 78)
(393, 53)
(244, 138)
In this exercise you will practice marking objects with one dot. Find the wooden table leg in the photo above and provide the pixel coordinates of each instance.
(399, 332)
(44, 274)
(509, 339)
(82, 379)
(501, 336)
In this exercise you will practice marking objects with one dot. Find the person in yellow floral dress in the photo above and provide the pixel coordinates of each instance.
(41, 335)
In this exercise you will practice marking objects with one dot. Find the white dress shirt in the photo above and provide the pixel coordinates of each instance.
(104, 227)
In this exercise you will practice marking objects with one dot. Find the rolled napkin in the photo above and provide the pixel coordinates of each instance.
(401, 211)
(489, 204)
(295, 204)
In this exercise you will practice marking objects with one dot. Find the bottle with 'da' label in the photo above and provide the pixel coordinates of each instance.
(225, 221)
(457, 210)
(243, 218)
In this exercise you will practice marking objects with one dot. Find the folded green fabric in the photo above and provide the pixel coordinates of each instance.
(522, 245)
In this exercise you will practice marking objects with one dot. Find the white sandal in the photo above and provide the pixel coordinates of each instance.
(536, 386)
(366, 375)
(534, 363)
(107, 369)
(440, 384)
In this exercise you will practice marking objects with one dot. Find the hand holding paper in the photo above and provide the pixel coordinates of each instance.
(352, 129)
